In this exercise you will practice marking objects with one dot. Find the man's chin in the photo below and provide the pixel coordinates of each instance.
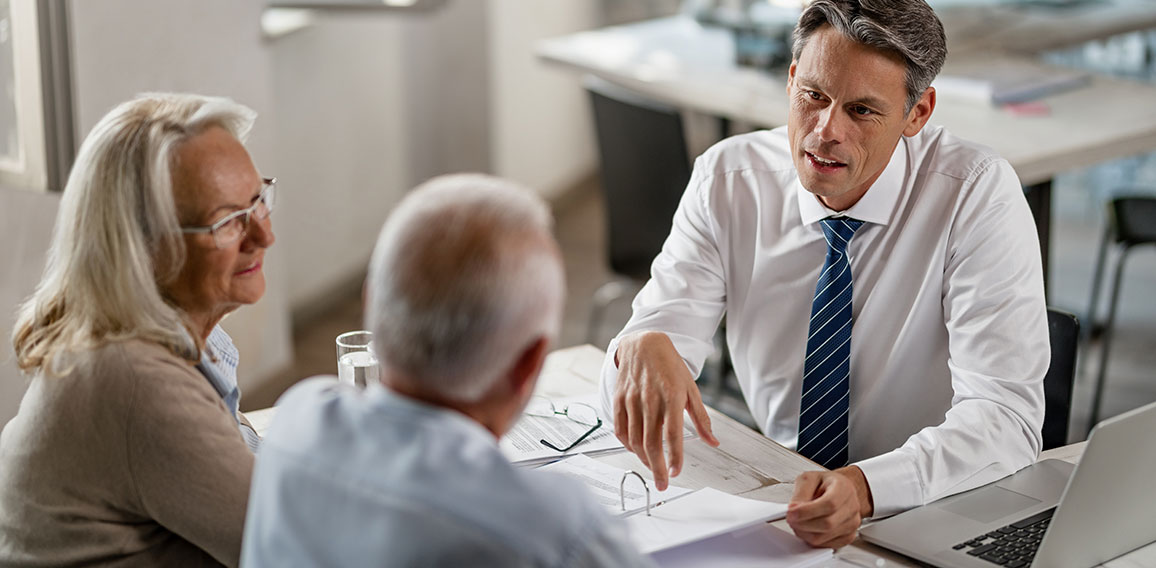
(823, 188)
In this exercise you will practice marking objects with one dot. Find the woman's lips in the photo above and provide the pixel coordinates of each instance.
(256, 266)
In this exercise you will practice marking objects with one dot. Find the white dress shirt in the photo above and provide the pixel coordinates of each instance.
(950, 340)
(372, 478)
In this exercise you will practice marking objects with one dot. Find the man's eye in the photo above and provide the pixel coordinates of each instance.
(814, 95)
(861, 110)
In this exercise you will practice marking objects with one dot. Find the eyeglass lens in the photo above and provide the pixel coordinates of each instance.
(237, 223)
(576, 412)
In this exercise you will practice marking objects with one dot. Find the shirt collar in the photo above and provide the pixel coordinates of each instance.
(219, 365)
(448, 420)
(877, 204)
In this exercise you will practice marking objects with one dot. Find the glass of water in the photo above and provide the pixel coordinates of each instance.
(356, 363)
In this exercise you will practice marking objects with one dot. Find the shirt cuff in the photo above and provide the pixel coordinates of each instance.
(894, 483)
(608, 381)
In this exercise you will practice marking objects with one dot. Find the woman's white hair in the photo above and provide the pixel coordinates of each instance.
(465, 276)
(117, 240)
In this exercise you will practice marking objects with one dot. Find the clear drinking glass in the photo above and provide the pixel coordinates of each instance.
(356, 363)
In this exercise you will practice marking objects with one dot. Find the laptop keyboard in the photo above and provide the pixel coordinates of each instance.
(1013, 546)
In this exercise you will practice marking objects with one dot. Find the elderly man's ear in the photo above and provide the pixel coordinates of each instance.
(526, 367)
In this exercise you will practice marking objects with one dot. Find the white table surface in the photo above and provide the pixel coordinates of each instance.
(749, 464)
(746, 462)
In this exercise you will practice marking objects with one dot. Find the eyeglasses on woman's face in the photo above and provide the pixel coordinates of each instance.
(235, 225)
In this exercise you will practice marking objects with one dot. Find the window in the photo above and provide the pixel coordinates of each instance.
(36, 133)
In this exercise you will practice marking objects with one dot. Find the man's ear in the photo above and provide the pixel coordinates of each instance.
(920, 113)
(527, 366)
(791, 77)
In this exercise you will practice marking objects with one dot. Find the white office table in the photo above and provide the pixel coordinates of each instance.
(1032, 28)
(680, 62)
(746, 463)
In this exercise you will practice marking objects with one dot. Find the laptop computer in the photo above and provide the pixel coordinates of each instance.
(1044, 515)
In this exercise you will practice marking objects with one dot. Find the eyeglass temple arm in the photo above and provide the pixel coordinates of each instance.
(547, 443)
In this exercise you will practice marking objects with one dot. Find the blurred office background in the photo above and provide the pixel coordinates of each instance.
(359, 105)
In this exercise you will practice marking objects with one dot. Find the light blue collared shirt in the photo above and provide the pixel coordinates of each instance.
(372, 478)
(219, 361)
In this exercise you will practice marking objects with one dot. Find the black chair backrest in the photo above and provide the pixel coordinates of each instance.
(1134, 219)
(1064, 331)
(645, 170)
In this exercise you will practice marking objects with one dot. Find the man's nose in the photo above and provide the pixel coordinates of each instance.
(830, 125)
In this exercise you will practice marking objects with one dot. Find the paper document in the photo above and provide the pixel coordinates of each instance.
(604, 482)
(703, 514)
(523, 443)
(761, 546)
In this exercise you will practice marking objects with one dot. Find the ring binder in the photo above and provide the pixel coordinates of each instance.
(622, 490)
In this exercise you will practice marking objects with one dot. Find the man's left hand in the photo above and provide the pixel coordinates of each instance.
(827, 506)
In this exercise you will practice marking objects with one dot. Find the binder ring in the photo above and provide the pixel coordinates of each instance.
(622, 490)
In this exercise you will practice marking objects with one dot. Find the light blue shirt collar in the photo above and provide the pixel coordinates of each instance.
(219, 360)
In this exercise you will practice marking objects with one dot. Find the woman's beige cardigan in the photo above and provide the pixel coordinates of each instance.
(130, 460)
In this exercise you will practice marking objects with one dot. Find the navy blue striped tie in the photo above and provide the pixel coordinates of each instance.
(827, 368)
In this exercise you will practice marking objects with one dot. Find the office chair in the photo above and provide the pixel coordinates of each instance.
(1131, 222)
(1064, 334)
(645, 170)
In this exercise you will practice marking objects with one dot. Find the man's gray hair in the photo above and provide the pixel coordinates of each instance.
(464, 277)
(117, 240)
(907, 28)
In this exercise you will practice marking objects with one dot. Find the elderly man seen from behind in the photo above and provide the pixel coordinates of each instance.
(465, 295)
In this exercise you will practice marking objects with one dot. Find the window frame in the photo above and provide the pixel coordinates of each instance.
(42, 78)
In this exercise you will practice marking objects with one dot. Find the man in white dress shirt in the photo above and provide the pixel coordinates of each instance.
(881, 281)
(465, 295)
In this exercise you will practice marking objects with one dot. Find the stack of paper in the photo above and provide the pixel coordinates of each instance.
(701, 515)
(688, 528)
(522, 444)
(605, 482)
(762, 546)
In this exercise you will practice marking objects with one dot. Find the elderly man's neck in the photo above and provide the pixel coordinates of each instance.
(493, 414)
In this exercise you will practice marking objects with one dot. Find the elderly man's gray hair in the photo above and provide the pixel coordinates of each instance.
(908, 28)
(465, 276)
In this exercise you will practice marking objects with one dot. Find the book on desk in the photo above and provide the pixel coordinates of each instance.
(999, 80)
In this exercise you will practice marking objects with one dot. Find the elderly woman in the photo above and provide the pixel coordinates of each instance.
(128, 449)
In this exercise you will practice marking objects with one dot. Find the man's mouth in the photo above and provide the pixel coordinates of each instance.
(823, 162)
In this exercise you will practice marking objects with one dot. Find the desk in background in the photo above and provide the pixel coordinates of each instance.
(680, 62)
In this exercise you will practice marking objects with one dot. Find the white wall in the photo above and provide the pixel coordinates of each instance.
(372, 104)
(542, 132)
(120, 48)
(26, 220)
(354, 111)
(340, 153)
